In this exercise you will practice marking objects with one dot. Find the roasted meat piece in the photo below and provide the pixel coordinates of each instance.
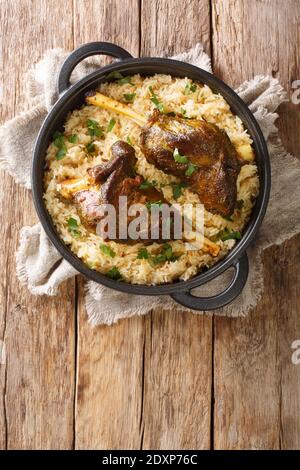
(88, 203)
(199, 153)
(123, 158)
(117, 178)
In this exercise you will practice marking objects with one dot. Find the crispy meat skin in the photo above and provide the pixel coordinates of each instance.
(206, 146)
(118, 178)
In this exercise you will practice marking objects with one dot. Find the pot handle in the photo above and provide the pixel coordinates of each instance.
(82, 52)
(223, 298)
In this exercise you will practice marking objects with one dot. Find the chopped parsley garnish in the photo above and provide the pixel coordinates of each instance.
(124, 80)
(94, 129)
(128, 140)
(183, 159)
(120, 78)
(226, 234)
(90, 147)
(61, 153)
(189, 88)
(73, 227)
(227, 217)
(73, 139)
(107, 250)
(114, 274)
(177, 189)
(240, 204)
(166, 254)
(156, 101)
(151, 204)
(111, 125)
(179, 158)
(59, 142)
(183, 112)
(158, 259)
(147, 184)
(115, 75)
(143, 254)
(129, 97)
(191, 169)
(58, 138)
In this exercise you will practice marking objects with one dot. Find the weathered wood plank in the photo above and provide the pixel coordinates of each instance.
(109, 384)
(169, 27)
(177, 381)
(37, 390)
(177, 368)
(256, 385)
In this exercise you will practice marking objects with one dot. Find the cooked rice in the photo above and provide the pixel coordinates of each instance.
(202, 103)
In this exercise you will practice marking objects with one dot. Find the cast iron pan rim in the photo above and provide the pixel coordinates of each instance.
(253, 225)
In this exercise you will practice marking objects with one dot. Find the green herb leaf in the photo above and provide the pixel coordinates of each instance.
(179, 158)
(72, 223)
(143, 253)
(240, 204)
(90, 147)
(191, 169)
(111, 125)
(177, 189)
(129, 97)
(156, 101)
(151, 204)
(183, 112)
(160, 258)
(167, 250)
(73, 227)
(124, 80)
(128, 140)
(107, 250)
(73, 139)
(189, 88)
(165, 255)
(61, 153)
(147, 184)
(115, 75)
(59, 142)
(94, 129)
(58, 139)
(227, 217)
(227, 235)
(114, 274)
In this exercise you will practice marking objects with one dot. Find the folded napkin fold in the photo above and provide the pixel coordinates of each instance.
(42, 268)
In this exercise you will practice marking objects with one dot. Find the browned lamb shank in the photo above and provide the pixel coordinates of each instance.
(118, 178)
(199, 153)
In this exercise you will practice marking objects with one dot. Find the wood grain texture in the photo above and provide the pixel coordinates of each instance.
(177, 384)
(172, 26)
(110, 359)
(167, 380)
(256, 384)
(109, 384)
(37, 386)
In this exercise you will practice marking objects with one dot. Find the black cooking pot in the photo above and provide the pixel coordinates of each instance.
(72, 97)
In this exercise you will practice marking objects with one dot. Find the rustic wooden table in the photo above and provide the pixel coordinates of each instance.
(169, 381)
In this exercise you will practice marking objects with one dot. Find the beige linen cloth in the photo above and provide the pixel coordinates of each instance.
(41, 267)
